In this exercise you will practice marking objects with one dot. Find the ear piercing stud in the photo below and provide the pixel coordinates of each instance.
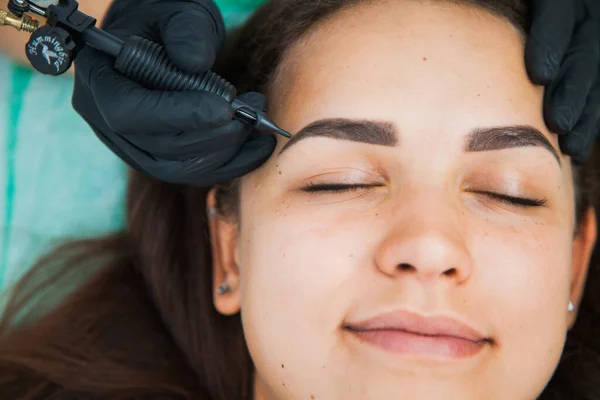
(224, 288)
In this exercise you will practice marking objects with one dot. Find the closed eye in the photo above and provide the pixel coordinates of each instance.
(524, 202)
(337, 187)
(515, 200)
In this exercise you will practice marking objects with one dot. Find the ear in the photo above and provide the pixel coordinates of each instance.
(583, 247)
(223, 239)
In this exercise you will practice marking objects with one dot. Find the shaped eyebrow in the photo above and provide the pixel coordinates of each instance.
(384, 133)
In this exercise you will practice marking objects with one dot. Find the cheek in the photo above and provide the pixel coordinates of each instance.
(524, 277)
(529, 270)
(298, 278)
(293, 262)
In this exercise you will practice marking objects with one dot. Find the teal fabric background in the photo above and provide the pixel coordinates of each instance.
(57, 181)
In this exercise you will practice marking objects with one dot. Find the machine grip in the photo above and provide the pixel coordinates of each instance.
(147, 63)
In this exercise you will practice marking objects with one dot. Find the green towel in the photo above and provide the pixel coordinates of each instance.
(235, 12)
(57, 181)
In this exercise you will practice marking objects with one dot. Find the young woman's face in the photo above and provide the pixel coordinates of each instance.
(425, 118)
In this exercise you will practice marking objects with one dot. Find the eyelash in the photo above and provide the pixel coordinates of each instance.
(341, 188)
(516, 201)
(335, 187)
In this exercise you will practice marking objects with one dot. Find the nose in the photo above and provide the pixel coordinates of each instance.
(427, 243)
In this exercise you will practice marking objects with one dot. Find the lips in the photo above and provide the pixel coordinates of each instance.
(409, 333)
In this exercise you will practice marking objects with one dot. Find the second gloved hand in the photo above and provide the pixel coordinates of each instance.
(563, 53)
(177, 137)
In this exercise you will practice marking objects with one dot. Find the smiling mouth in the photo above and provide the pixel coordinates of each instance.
(411, 334)
(416, 344)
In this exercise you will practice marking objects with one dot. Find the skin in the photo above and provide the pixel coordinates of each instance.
(301, 265)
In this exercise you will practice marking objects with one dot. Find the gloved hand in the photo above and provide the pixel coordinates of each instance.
(563, 52)
(187, 137)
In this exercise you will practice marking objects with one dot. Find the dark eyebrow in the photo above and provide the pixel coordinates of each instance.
(506, 137)
(363, 131)
(385, 134)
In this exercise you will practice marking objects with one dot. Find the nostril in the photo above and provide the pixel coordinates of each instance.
(451, 272)
(405, 267)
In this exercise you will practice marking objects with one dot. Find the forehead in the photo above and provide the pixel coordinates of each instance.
(401, 60)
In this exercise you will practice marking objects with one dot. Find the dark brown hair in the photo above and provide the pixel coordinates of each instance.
(131, 315)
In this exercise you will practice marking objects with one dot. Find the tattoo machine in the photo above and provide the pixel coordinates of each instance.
(52, 48)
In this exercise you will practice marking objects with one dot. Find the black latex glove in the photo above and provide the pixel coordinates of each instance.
(185, 137)
(563, 52)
